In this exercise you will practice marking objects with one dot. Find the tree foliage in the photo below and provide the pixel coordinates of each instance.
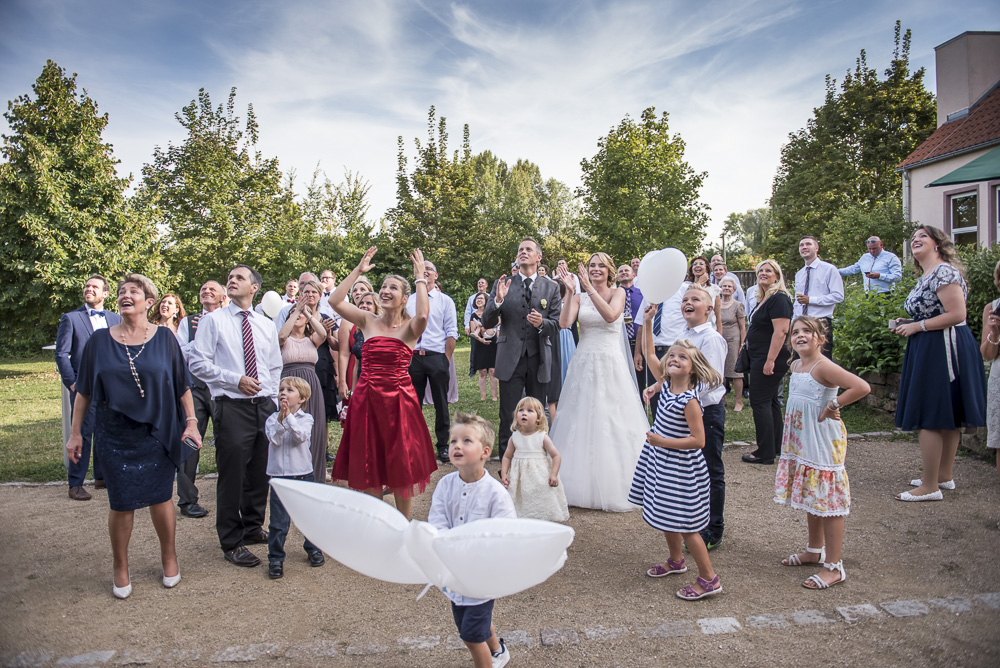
(638, 192)
(221, 202)
(847, 153)
(63, 213)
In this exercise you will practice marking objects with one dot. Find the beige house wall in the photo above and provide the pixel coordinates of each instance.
(927, 205)
(966, 67)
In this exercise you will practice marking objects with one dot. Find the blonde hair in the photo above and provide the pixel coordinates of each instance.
(363, 281)
(148, 289)
(702, 289)
(945, 248)
(702, 372)
(482, 426)
(609, 264)
(406, 292)
(534, 404)
(299, 385)
(779, 284)
(816, 326)
(375, 299)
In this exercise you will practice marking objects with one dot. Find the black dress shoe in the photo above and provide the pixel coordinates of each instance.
(329, 458)
(255, 538)
(275, 570)
(443, 456)
(241, 556)
(99, 483)
(753, 459)
(316, 559)
(193, 510)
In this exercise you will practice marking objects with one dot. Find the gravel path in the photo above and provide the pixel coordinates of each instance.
(923, 589)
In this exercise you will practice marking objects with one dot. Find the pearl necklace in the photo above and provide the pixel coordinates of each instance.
(131, 359)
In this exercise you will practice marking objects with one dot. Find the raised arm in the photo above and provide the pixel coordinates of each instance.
(571, 302)
(652, 361)
(289, 324)
(491, 314)
(338, 300)
(609, 310)
(416, 325)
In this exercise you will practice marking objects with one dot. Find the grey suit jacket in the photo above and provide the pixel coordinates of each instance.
(516, 333)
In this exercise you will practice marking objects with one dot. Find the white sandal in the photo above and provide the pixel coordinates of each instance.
(947, 484)
(793, 559)
(819, 583)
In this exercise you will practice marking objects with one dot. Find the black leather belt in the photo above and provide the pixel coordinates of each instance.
(422, 353)
(247, 400)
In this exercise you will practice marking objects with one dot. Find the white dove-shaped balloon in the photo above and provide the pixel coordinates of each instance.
(487, 558)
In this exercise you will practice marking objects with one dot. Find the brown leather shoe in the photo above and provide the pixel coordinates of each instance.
(100, 484)
(241, 556)
(79, 494)
(258, 537)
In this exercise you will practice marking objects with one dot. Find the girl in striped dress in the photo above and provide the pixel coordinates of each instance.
(671, 479)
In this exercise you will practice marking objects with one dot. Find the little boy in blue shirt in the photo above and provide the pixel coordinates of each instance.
(461, 497)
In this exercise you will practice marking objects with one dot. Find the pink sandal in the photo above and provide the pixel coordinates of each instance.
(711, 588)
(672, 568)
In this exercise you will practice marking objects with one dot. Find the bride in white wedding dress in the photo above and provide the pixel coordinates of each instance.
(600, 426)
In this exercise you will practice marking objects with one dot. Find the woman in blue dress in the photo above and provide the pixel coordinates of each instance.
(135, 372)
(942, 386)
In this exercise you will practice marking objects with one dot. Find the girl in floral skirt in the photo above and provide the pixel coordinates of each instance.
(811, 475)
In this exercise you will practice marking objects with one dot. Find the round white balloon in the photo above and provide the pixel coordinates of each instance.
(661, 273)
(272, 304)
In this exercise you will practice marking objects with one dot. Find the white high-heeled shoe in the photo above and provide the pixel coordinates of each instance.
(171, 581)
(121, 592)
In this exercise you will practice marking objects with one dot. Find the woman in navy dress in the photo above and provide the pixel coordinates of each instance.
(135, 372)
(942, 386)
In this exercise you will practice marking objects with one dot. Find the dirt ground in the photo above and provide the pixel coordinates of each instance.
(55, 590)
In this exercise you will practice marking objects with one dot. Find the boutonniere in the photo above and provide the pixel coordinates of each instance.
(544, 303)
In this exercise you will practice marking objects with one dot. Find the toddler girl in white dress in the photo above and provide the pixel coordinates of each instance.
(530, 466)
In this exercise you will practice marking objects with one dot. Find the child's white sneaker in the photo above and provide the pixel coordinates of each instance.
(501, 656)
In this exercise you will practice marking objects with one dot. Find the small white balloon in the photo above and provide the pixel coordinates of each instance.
(272, 304)
(662, 273)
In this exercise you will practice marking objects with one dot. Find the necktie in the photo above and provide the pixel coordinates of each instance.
(96, 312)
(805, 307)
(527, 291)
(629, 323)
(249, 355)
(658, 320)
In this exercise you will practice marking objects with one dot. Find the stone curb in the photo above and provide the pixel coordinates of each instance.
(546, 637)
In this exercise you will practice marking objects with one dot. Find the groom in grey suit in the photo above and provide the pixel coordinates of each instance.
(527, 306)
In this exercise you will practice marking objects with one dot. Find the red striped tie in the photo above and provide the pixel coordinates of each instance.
(249, 355)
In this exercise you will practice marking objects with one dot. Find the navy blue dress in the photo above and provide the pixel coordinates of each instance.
(939, 359)
(138, 438)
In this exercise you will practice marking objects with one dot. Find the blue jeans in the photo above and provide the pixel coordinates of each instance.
(278, 528)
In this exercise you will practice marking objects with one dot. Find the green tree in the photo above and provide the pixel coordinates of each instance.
(848, 152)
(63, 213)
(338, 213)
(845, 235)
(221, 202)
(638, 192)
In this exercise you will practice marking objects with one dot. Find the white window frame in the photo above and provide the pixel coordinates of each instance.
(953, 231)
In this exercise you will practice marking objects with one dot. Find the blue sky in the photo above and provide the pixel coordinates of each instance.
(336, 82)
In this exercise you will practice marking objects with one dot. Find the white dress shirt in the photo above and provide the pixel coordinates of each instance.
(469, 309)
(826, 289)
(456, 502)
(442, 322)
(288, 444)
(713, 346)
(97, 321)
(216, 357)
(672, 323)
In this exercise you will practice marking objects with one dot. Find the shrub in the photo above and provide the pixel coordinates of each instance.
(979, 266)
(862, 339)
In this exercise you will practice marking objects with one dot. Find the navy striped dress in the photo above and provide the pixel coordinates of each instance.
(672, 485)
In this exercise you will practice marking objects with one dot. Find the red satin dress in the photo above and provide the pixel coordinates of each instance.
(386, 441)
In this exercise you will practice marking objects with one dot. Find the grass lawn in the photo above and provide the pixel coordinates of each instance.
(31, 422)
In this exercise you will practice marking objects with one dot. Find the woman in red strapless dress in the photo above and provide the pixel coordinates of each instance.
(386, 442)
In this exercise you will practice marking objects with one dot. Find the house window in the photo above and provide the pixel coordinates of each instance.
(964, 218)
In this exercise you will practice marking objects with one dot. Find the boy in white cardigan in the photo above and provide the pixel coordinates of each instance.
(288, 456)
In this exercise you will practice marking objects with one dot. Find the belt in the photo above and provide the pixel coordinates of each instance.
(422, 353)
(247, 400)
(950, 347)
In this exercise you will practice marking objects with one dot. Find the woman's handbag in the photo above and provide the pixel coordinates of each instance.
(742, 360)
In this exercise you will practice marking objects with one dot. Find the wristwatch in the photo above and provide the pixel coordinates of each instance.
(836, 405)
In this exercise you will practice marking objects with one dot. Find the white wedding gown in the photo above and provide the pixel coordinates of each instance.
(600, 424)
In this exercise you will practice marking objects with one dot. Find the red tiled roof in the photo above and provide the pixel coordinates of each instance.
(979, 129)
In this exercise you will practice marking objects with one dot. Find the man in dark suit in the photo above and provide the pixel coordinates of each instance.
(528, 306)
(210, 296)
(75, 329)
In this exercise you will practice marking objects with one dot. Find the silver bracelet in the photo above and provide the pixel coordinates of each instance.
(990, 340)
(923, 325)
(420, 280)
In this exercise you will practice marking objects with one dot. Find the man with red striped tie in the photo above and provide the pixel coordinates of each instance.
(236, 354)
